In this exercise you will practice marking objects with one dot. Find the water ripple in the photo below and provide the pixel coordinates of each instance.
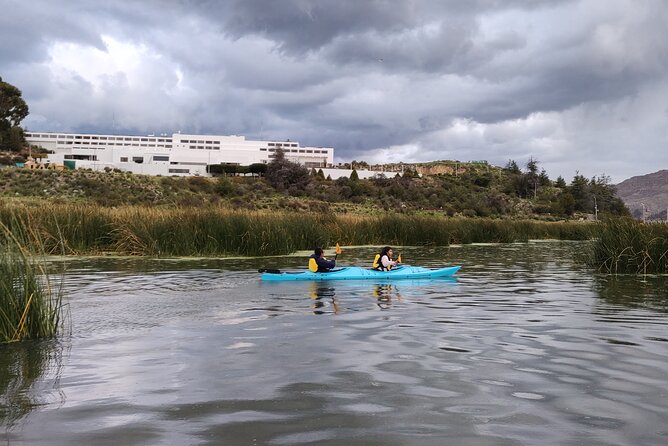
(524, 345)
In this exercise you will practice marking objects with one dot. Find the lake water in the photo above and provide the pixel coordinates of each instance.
(525, 347)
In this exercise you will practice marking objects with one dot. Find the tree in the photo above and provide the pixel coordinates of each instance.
(544, 179)
(354, 176)
(532, 175)
(579, 189)
(13, 139)
(512, 167)
(13, 110)
(282, 173)
(258, 169)
(605, 196)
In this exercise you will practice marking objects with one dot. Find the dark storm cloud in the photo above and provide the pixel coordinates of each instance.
(28, 28)
(566, 82)
(302, 25)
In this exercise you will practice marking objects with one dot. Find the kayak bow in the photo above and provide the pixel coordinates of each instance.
(358, 273)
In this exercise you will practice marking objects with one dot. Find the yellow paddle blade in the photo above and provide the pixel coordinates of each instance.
(399, 258)
(338, 249)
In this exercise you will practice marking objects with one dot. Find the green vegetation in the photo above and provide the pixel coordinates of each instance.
(476, 191)
(629, 246)
(13, 110)
(152, 231)
(30, 307)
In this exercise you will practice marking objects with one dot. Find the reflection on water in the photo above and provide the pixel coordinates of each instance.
(635, 292)
(28, 374)
(384, 294)
(524, 346)
(323, 294)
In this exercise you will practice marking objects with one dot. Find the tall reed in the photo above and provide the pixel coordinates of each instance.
(629, 246)
(30, 306)
(77, 229)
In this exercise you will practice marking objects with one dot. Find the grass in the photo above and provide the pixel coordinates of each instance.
(151, 231)
(30, 307)
(626, 246)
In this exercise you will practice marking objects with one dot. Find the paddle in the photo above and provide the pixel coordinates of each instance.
(338, 251)
(269, 270)
(399, 258)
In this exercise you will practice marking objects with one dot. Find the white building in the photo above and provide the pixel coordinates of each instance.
(178, 154)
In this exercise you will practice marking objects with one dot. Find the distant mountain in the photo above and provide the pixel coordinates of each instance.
(650, 190)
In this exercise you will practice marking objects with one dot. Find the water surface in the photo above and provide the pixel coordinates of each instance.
(525, 347)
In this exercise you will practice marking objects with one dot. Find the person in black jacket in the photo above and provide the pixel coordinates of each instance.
(324, 265)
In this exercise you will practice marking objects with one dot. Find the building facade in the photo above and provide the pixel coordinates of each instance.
(178, 154)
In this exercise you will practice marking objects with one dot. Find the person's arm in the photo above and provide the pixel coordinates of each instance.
(324, 263)
(387, 262)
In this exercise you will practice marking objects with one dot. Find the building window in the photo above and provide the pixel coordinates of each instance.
(138, 159)
(179, 170)
(160, 158)
(81, 157)
(124, 159)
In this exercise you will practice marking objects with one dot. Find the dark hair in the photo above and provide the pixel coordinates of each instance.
(383, 252)
(318, 251)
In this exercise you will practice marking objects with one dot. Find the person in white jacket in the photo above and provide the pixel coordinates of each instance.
(383, 261)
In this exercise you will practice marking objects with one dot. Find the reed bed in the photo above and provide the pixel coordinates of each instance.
(79, 229)
(627, 246)
(30, 307)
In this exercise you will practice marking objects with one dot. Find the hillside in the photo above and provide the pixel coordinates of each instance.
(650, 190)
(485, 193)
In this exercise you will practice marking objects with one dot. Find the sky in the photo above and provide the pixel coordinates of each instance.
(581, 86)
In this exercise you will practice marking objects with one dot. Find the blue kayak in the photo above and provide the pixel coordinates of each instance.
(358, 273)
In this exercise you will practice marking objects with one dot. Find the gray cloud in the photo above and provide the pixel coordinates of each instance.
(578, 85)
